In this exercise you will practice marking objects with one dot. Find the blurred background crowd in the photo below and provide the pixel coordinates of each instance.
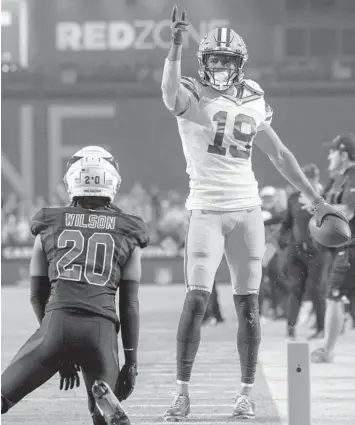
(164, 213)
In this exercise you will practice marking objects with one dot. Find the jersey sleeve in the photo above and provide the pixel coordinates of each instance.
(38, 223)
(180, 94)
(348, 197)
(267, 119)
(141, 233)
(257, 92)
(192, 89)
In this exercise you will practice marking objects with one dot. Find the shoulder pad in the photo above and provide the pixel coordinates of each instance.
(192, 85)
(38, 222)
(268, 114)
(253, 87)
(189, 80)
(138, 230)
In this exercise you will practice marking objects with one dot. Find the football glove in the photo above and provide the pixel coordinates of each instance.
(69, 376)
(322, 208)
(178, 25)
(127, 381)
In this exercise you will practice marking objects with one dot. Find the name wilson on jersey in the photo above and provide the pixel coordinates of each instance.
(91, 221)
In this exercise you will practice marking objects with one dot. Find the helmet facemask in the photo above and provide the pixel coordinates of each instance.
(222, 78)
(230, 54)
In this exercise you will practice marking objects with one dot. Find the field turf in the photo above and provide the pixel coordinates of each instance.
(215, 378)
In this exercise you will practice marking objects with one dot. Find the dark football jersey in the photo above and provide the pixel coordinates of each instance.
(86, 251)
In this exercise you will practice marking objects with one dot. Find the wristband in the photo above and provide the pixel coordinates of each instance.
(177, 39)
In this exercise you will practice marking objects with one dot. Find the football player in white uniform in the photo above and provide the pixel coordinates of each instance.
(218, 117)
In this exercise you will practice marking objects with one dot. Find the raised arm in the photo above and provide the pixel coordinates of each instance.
(175, 95)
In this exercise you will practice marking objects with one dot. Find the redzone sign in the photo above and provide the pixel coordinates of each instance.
(141, 34)
(14, 32)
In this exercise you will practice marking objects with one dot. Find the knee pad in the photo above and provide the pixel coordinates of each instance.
(194, 308)
(196, 302)
(247, 307)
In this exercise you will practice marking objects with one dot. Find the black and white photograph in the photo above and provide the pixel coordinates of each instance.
(177, 212)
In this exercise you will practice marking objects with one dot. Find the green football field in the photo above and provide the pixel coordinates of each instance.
(215, 378)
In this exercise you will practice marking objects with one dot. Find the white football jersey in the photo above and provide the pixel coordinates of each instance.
(217, 133)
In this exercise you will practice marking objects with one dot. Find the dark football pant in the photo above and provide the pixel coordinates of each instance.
(87, 340)
(304, 270)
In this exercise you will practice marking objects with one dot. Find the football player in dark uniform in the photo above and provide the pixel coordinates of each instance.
(82, 255)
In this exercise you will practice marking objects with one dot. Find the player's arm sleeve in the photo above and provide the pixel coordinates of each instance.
(179, 93)
(129, 305)
(267, 118)
(38, 222)
(39, 282)
(141, 236)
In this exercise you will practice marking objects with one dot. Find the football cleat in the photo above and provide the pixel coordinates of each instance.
(179, 409)
(244, 408)
(108, 404)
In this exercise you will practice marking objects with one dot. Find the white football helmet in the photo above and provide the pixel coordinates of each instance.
(224, 42)
(92, 171)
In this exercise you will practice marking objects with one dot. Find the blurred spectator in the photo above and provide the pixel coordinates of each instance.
(213, 315)
(164, 213)
(272, 291)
